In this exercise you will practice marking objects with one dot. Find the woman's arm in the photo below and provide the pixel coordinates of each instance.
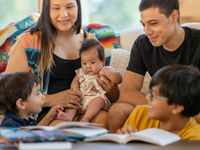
(75, 84)
(18, 60)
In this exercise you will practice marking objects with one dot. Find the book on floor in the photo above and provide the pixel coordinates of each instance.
(151, 135)
(45, 146)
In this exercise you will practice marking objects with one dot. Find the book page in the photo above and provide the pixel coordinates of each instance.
(118, 138)
(155, 136)
(152, 135)
(85, 131)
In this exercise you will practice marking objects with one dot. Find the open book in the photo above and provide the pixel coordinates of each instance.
(62, 125)
(151, 135)
(76, 130)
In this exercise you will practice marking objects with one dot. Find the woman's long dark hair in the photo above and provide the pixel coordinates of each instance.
(48, 32)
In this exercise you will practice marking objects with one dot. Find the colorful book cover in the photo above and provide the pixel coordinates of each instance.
(33, 136)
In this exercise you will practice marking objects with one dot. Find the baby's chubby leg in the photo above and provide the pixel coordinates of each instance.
(94, 107)
(66, 115)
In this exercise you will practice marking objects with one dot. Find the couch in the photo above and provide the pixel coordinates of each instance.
(120, 56)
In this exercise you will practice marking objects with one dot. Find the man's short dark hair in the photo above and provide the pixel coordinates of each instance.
(181, 85)
(166, 6)
(90, 43)
(14, 86)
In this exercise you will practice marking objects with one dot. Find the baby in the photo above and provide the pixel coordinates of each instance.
(94, 99)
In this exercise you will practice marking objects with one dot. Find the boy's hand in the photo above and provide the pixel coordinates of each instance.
(126, 130)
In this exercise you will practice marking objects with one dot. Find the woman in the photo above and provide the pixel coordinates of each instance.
(51, 50)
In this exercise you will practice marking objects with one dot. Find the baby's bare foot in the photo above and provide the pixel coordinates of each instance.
(64, 116)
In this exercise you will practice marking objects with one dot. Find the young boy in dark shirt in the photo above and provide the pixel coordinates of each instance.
(20, 98)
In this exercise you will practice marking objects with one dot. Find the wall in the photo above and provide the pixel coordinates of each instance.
(190, 10)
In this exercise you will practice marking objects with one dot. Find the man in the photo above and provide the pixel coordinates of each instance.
(165, 42)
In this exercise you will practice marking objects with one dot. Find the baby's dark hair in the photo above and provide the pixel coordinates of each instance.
(90, 43)
(14, 86)
(181, 85)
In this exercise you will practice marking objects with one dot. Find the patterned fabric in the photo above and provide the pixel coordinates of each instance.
(106, 35)
(10, 32)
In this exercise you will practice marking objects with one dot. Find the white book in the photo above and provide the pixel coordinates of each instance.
(45, 146)
(62, 125)
(82, 129)
(85, 131)
(151, 135)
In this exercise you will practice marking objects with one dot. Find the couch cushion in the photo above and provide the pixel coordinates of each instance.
(119, 61)
(128, 37)
(195, 25)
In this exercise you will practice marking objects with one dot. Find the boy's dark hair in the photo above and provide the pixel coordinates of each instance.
(166, 6)
(14, 86)
(90, 43)
(181, 85)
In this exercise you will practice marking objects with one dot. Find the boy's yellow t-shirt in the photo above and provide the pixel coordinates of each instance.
(139, 120)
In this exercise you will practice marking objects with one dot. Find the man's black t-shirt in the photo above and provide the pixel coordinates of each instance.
(145, 57)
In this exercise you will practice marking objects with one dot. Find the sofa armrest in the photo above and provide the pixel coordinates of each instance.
(119, 61)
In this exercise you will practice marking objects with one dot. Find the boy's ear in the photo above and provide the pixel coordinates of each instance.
(177, 108)
(20, 104)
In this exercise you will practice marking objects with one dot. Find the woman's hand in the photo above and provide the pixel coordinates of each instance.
(112, 90)
(66, 99)
(126, 130)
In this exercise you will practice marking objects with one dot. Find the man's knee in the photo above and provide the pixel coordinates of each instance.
(101, 118)
(118, 114)
(121, 109)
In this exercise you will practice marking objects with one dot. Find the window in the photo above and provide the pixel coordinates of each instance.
(120, 14)
(15, 10)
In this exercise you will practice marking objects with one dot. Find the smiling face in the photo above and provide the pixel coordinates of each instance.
(63, 14)
(90, 62)
(34, 102)
(158, 108)
(157, 26)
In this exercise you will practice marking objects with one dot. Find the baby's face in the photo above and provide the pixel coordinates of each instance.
(90, 62)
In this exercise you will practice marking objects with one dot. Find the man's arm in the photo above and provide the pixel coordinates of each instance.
(113, 75)
(130, 89)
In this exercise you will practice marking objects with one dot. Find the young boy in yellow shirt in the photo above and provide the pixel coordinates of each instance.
(174, 98)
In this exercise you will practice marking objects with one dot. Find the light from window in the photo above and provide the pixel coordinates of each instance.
(119, 14)
(15, 10)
